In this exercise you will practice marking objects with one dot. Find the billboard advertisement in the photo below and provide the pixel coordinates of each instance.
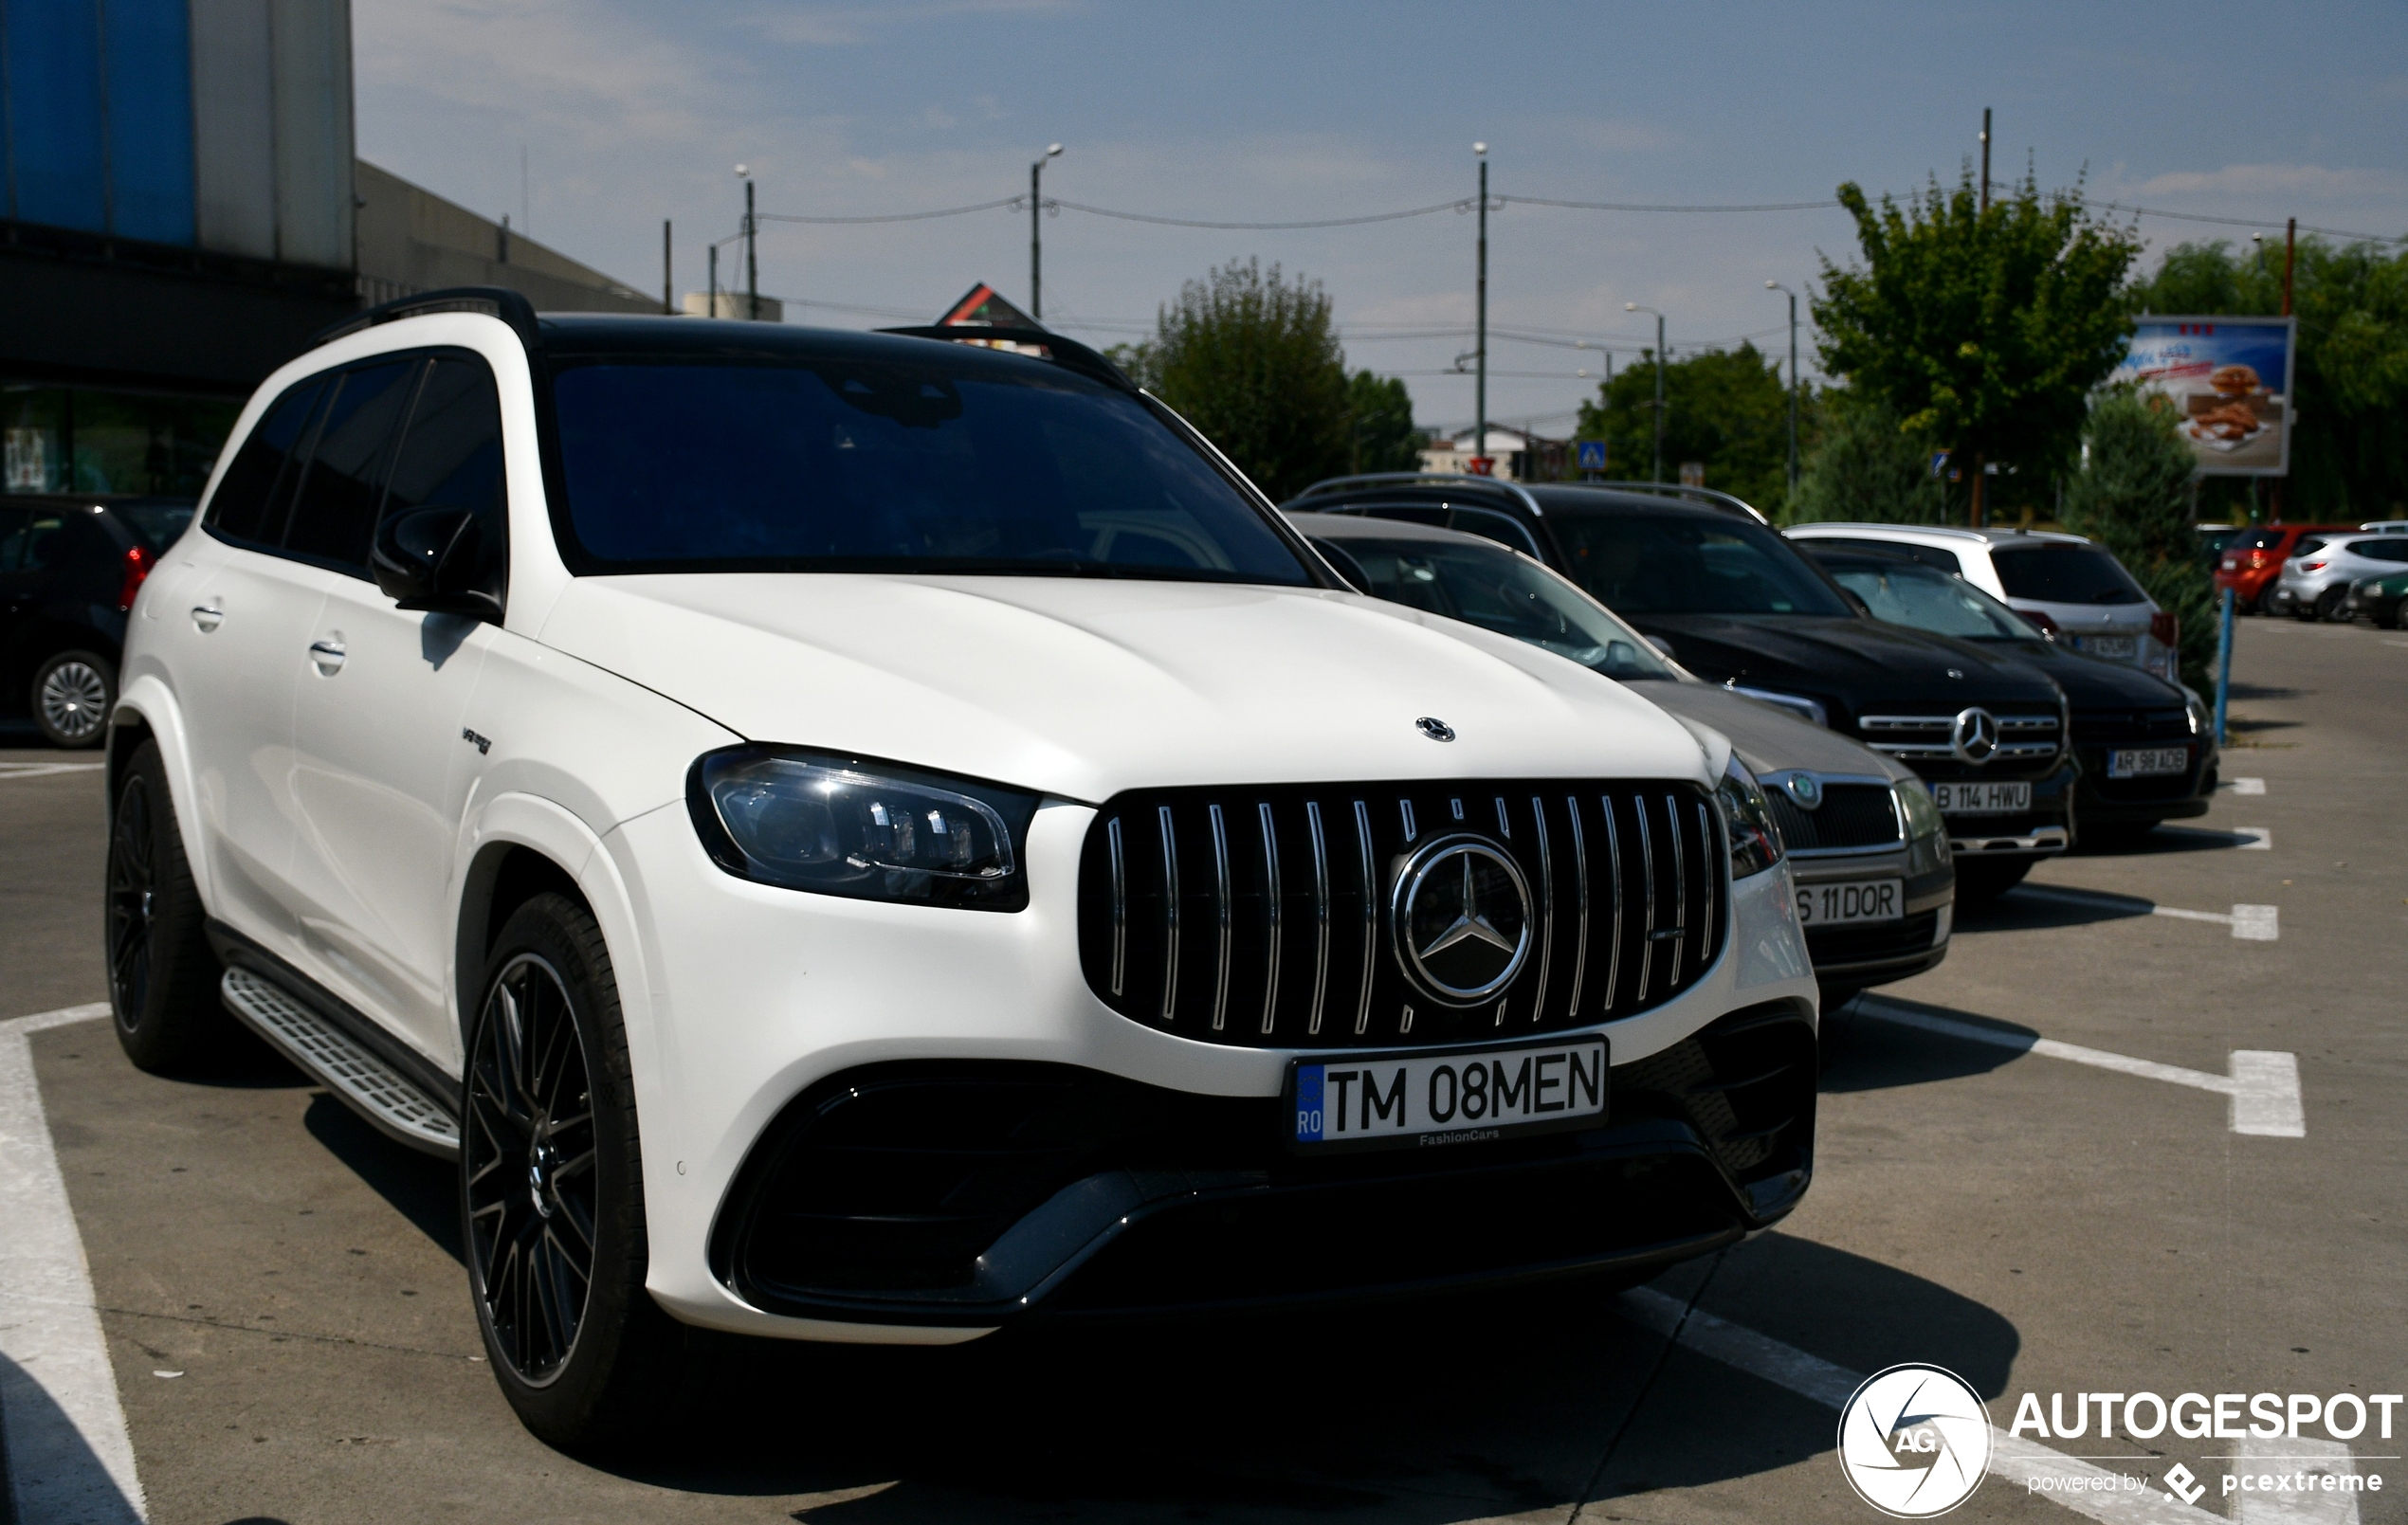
(2229, 382)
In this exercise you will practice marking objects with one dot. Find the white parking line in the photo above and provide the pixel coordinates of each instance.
(2015, 1459)
(2310, 1505)
(2246, 786)
(2259, 837)
(2251, 923)
(61, 1423)
(45, 770)
(2264, 1084)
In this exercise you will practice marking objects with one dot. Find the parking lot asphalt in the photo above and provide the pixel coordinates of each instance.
(286, 1311)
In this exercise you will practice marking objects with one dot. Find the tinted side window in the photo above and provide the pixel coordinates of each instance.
(451, 454)
(257, 485)
(335, 513)
(2065, 575)
(2383, 549)
(2308, 545)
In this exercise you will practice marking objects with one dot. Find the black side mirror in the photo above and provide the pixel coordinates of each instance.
(436, 559)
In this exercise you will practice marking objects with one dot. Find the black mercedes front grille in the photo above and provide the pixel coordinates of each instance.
(1852, 817)
(1260, 916)
(2130, 728)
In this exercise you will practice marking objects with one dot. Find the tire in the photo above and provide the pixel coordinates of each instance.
(72, 696)
(2265, 602)
(551, 1192)
(2328, 603)
(1980, 881)
(162, 977)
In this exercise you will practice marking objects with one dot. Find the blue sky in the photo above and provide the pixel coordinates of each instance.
(631, 111)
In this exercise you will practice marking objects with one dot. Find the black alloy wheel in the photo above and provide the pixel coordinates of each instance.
(552, 1192)
(162, 977)
(132, 898)
(528, 1157)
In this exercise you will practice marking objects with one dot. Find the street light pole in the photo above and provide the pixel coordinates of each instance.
(1775, 285)
(1634, 307)
(1036, 243)
(1480, 343)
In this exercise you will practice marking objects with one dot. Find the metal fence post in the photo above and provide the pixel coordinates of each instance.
(2223, 669)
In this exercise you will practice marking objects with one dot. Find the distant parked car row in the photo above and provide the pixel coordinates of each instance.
(2307, 570)
(1925, 700)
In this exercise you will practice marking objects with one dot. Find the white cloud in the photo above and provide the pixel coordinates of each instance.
(2253, 183)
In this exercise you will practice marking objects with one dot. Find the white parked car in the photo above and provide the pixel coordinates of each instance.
(2316, 577)
(2069, 585)
(850, 837)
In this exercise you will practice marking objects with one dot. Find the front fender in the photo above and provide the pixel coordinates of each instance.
(147, 701)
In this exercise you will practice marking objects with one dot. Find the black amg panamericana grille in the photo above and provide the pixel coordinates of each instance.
(1264, 917)
(1852, 818)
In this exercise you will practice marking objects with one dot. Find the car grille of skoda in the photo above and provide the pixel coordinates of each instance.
(1387, 915)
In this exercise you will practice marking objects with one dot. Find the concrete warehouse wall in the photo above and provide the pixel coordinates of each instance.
(413, 240)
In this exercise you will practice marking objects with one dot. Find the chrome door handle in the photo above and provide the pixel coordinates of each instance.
(328, 655)
(208, 617)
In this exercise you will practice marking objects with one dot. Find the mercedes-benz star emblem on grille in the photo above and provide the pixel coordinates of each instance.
(1435, 730)
(1805, 789)
(1462, 919)
(1975, 737)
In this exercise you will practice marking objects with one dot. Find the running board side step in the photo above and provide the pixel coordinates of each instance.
(389, 1100)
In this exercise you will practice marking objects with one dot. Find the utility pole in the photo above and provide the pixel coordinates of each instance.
(1480, 339)
(1634, 307)
(1775, 285)
(1976, 504)
(1036, 242)
(712, 311)
(752, 256)
(668, 302)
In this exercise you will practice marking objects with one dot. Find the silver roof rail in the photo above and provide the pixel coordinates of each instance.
(1420, 478)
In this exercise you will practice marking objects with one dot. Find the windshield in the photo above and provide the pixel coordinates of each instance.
(1923, 598)
(1492, 588)
(1640, 563)
(2065, 575)
(828, 464)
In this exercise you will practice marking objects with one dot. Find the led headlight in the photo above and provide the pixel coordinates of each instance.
(856, 827)
(1747, 822)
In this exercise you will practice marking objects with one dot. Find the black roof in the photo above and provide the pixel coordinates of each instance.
(1538, 500)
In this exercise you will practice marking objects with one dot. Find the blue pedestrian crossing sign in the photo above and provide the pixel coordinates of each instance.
(1592, 455)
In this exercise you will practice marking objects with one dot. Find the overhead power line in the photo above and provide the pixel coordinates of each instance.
(1465, 204)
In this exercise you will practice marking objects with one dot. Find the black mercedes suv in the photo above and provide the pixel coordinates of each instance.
(69, 567)
(1704, 577)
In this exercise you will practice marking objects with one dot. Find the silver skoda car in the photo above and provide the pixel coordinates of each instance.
(1876, 890)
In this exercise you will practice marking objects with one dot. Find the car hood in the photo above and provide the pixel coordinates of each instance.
(1768, 739)
(1857, 666)
(1081, 688)
(2095, 682)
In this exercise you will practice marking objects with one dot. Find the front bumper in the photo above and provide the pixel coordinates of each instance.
(1855, 956)
(2044, 830)
(2103, 801)
(969, 1195)
(755, 999)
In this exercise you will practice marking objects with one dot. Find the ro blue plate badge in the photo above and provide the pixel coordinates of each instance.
(1308, 1107)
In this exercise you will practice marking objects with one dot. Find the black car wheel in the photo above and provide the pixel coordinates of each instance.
(2265, 602)
(73, 693)
(551, 1184)
(162, 977)
(1980, 881)
(2328, 603)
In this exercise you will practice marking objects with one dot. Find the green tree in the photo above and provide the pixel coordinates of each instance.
(1381, 411)
(1865, 468)
(1252, 361)
(2349, 438)
(1984, 330)
(1726, 409)
(2133, 495)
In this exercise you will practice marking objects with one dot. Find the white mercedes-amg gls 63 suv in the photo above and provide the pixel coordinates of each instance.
(862, 837)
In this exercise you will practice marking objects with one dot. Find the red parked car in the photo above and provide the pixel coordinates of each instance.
(2253, 558)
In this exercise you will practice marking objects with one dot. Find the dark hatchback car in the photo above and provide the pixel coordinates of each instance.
(1703, 576)
(69, 568)
(2147, 753)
